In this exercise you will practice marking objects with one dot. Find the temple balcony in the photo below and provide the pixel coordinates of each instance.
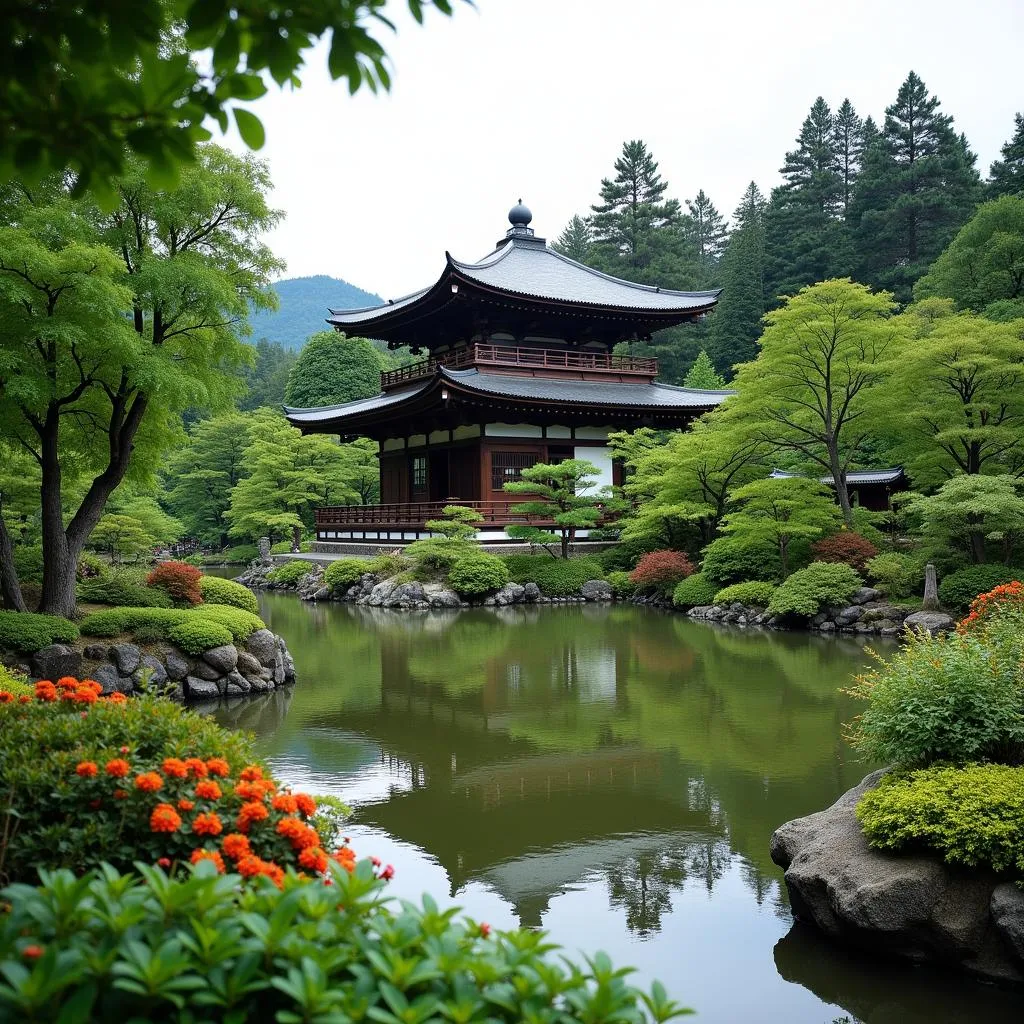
(531, 362)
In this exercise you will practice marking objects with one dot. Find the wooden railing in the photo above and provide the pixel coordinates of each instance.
(551, 359)
(414, 514)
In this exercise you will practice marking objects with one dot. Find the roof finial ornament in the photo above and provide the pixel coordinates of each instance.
(519, 216)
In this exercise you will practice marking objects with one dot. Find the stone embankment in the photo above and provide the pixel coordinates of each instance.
(913, 908)
(260, 664)
(866, 614)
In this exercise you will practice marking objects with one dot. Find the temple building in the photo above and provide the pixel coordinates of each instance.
(518, 369)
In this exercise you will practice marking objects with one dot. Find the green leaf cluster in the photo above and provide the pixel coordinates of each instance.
(960, 588)
(754, 593)
(478, 574)
(333, 369)
(114, 621)
(556, 577)
(220, 591)
(290, 572)
(898, 575)
(809, 590)
(344, 572)
(695, 591)
(28, 631)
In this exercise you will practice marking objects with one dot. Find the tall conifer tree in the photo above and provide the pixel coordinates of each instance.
(576, 240)
(1006, 176)
(708, 235)
(848, 135)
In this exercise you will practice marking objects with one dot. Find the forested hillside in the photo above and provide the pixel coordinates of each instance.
(303, 306)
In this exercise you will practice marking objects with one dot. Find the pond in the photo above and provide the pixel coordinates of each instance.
(611, 774)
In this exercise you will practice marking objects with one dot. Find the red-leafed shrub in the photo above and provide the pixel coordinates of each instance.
(661, 570)
(179, 579)
(850, 548)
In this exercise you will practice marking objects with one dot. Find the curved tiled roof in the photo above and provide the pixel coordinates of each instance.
(854, 476)
(318, 414)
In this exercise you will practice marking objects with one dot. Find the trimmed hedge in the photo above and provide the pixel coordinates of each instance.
(157, 622)
(960, 588)
(621, 584)
(731, 559)
(344, 572)
(28, 631)
(291, 572)
(218, 591)
(478, 574)
(556, 577)
(808, 590)
(123, 588)
(198, 635)
(695, 591)
(751, 593)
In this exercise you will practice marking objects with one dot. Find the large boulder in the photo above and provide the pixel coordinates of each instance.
(531, 592)
(848, 616)
(1007, 908)
(150, 672)
(176, 665)
(930, 622)
(511, 593)
(381, 593)
(223, 658)
(864, 594)
(201, 689)
(407, 595)
(875, 612)
(111, 680)
(438, 595)
(597, 590)
(262, 644)
(54, 661)
(126, 657)
(915, 908)
(248, 664)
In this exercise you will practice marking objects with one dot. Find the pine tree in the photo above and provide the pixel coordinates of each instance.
(1006, 176)
(848, 135)
(706, 231)
(702, 374)
(917, 187)
(736, 324)
(576, 241)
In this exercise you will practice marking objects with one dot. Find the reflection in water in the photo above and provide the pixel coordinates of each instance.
(609, 772)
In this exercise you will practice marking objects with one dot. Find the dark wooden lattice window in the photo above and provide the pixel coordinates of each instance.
(419, 473)
(509, 466)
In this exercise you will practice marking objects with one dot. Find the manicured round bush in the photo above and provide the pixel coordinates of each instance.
(213, 949)
(809, 590)
(972, 815)
(556, 577)
(238, 621)
(695, 591)
(661, 570)
(123, 587)
(478, 574)
(179, 579)
(621, 584)
(284, 547)
(754, 593)
(27, 631)
(344, 572)
(898, 575)
(960, 588)
(157, 622)
(845, 546)
(388, 565)
(218, 591)
(290, 572)
(199, 635)
(731, 559)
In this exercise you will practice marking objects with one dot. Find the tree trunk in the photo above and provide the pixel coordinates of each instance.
(59, 562)
(565, 543)
(977, 542)
(296, 539)
(10, 586)
(839, 479)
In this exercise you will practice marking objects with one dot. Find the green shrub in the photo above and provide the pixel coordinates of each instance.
(389, 565)
(951, 698)
(289, 573)
(26, 631)
(695, 591)
(972, 816)
(90, 566)
(478, 574)
(661, 570)
(284, 547)
(960, 588)
(123, 587)
(14, 683)
(204, 948)
(809, 590)
(199, 635)
(344, 572)
(218, 591)
(239, 621)
(897, 574)
(751, 593)
(621, 584)
(624, 555)
(731, 559)
(240, 554)
(556, 577)
(28, 562)
(157, 622)
(434, 556)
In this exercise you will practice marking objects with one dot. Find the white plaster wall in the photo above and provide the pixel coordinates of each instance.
(512, 430)
(439, 437)
(417, 440)
(601, 457)
(461, 433)
(592, 433)
(392, 444)
(559, 432)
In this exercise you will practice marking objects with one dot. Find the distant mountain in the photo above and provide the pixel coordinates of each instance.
(304, 303)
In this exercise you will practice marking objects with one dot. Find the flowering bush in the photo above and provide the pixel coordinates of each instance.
(95, 779)
(179, 579)
(847, 547)
(203, 947)
(661, 570)
(218, 591)
(1002, 601)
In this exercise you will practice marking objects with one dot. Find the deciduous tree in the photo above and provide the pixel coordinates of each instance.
(332, 369)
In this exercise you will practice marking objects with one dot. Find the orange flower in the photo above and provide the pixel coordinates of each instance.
(314, 858)
(345, 857)
(67, 683)
(174, 767)
(207, 824)
(116, 698)
(197, 766)
(249, 791)
(249, 865)
(89, 686)
(300, 835)
(249, 813)
(32, 952)
(274, 872)
(306, 804)
(121, 794)
(148, 782)
(85, 697)
(218, 766)
(164, 819)
(185, 805)
(251, 772)
(6, 697)
(86, 769)
(198, 855)
(45, 690)
(207, 789)
(24, 699)
(118, 768)
(285, 802)
(236, 846)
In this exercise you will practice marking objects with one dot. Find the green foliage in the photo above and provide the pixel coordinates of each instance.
(125, 587)
(121, 536)
(290, 572)
(218, 591)
(661, 570)
(309, 952)
(695, 591)
(14, 683)
(1006, 176)
(556, 577)
(948, 698)
(266, 380)
(333, 369)
(751, 593)
(387, 565)
(179, 579)
(158, 622)
(344, 572)
(284, 547)
(478, 574)
(897, 574)
(26, 631)
(809, 590)
(971, 816)
(434, 556)
(240, 554)
(732, 559)
(28, 562)
(960, 588)
(702, 375)
(199, 635)
(622, 586)
(460, 523)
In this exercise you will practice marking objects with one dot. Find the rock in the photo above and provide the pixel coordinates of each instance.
(176, 665)
(107, 676)
(56, 660)
(200, 689)
(910, 907)
(931, 589)
(531, 592)
(511, 593)
(95, 652)
(881, 625)
(262, 645)
(819, 619)
(224, 658)
(261, 685)
(930, 622)
(864, 594)
(321, 594)
(126, 657)
(437, 595)
(381, 593)
(236, 683)
(151, 672)
(248, 665)
(827, 627)
(406, 595)
(597, 590)
(1007, 909)
(847, 616)
(876, 612)
(204, 671)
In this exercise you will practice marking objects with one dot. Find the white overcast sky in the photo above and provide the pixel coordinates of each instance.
(534, 98)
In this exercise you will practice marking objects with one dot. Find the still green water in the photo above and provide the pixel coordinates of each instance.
(612, 774)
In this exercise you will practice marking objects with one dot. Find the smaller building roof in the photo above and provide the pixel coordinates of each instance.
(854, 476)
